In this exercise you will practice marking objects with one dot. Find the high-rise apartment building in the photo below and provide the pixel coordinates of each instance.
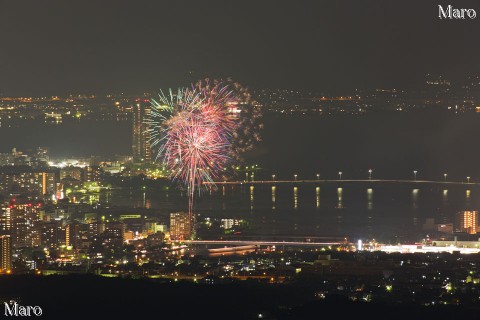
(25, 224)
(180, 226)
(27, 181)
(5, 219)
(5, 253)
(141, 138)
(467, 221)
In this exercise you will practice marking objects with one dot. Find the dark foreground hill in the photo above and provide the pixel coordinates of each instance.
(92, 297)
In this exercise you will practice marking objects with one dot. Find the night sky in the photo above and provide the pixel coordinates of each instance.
(60, 47)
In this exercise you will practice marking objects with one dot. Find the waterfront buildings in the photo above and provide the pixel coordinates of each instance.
(467, 221)
(180, 226)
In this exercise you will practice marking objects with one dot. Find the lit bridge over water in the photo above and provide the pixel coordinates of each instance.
(267, 243)
(339, 181)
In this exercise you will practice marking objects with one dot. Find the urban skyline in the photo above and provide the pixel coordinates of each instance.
(239, 160)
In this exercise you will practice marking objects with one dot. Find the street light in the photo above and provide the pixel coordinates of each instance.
(415, 174)
(340, 174)
(273, 177)
(318, 176)
(445, 177)
(295, 176)
(468, 179)
(370, 174)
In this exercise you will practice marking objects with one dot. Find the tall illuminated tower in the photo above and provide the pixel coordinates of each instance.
(140, 143)
(5, 253)
(467, 221)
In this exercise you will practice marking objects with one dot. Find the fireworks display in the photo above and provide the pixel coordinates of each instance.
(246, 113)
(197, 131)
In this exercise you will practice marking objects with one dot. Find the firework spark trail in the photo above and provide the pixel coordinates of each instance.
(247, 125)
(193, 131)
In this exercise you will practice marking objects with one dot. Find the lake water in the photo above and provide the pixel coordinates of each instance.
(357, 210)
(392, 144)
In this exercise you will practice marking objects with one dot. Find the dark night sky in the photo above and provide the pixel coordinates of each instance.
(58, 47)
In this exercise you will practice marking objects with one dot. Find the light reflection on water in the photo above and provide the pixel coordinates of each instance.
(295, 197)
(344, 209)
(339, 198)
(370, 198)
(252, 198)
(274, 193)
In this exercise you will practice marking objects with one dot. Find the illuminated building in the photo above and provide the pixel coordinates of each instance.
(49, 234)
(23, 179)
(128, 235)
(467, 221)
(55, 234)
(151, 227)
(95, 228)
(5, 219)
(112, 237)
(445, 227)
(43, 153)
(72, 172)
(53, 118)
(130, 216)
(161, 227)
(180, 226)
(25, 217)
(156, 239)
(6, 252)
(79, 235)
(229, 223)
(115, 230)
(92, 174)
(68, 235)
(141, 145)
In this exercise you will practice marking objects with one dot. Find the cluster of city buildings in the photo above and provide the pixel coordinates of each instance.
(465, 223)
(33, 174)
(37, 235)
(434, 91)
(47, 227)
(44, 218)
(56, 109)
